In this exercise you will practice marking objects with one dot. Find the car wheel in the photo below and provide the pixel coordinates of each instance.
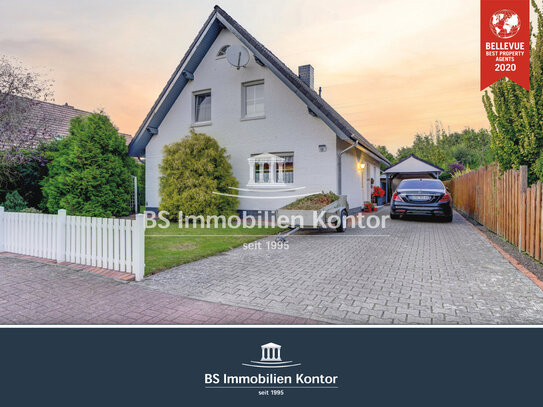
(448, 219)
(394, 216)
(343, 222)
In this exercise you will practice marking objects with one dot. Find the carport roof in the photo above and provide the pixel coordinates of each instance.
(413, 165)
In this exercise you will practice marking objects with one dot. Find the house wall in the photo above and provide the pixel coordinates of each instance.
(356, 182)
(287, 127)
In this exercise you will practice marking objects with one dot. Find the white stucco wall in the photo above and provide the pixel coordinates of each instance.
(356, 181)
(287, 127)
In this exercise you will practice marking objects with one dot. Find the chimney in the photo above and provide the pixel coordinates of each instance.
(306, 73)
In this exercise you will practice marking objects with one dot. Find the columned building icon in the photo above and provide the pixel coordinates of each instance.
(271, 352)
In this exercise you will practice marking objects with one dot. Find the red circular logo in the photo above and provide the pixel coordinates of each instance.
(505, 23)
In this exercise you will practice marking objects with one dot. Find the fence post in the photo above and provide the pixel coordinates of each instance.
(61, 236)
(139, 252)
(523, 187)
(2, 229)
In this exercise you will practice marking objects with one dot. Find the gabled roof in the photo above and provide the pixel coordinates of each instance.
(412, 165)
(58, 116)
(218, 20)
(51, 120)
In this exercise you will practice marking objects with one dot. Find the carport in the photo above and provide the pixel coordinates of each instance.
(410, 167)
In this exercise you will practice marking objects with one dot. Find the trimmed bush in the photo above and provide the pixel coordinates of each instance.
(191, 170)
(90, 174)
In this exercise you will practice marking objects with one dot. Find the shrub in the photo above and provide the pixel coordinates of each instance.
(25, 176)
(445, 176)
(538, 167)
(91, 172)
(30, 210)
(191, 170)
(455, 167)
(14, 202)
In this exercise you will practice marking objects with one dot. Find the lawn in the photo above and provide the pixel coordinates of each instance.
(166, 248)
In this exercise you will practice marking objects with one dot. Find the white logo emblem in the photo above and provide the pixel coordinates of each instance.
(271, 358)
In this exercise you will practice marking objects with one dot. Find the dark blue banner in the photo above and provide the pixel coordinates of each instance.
(247, 367)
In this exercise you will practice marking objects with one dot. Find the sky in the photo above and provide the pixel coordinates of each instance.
(390, 67)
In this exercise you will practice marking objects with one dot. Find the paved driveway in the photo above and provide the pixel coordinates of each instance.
(410, 272)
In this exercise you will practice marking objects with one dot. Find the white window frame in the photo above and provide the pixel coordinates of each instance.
(194, 107)
(225, 48)
(244, 86)
(283, 155)
(275, 178)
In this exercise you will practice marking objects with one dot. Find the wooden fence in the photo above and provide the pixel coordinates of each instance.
(116, 244)
(503, 203)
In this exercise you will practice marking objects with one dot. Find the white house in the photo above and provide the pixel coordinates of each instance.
(279, 132)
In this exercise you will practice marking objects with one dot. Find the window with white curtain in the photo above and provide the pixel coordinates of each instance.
(202, 107)
(253, 99)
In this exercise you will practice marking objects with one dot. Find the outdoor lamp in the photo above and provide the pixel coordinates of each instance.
(361, 166)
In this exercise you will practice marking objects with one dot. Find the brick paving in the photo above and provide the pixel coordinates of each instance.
(118, 275)
(41, 293)
(412, 272)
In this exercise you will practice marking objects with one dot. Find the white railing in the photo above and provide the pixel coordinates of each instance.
(116, 244)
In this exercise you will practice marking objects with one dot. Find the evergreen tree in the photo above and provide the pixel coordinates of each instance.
(90, 174)
(516, 115)
(191, 170)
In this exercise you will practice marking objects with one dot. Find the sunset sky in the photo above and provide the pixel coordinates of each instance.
(391, 67)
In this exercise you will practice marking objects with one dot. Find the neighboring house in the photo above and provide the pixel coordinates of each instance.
(53, 121)
(410, 167)
(270, 120)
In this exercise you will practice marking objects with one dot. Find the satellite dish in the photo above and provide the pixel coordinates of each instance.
(237, 56)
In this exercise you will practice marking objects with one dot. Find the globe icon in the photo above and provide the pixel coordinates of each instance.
(505, 23)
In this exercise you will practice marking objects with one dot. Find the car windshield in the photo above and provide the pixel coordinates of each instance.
(421, 184)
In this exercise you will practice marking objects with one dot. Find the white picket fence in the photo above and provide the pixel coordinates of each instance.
(116, 244)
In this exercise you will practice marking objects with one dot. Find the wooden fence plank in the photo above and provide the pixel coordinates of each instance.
(503, 203)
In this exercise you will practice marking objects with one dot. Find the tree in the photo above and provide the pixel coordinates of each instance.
(516, 115)
(191, 170)
(23, 124)
(91, 172)
(387, 154)
(403, 152)
(469, 147)
(478, 142)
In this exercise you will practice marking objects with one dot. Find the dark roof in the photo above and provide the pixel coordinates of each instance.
(57, 116)
(415, 157)
(52, 120)
(316, 103)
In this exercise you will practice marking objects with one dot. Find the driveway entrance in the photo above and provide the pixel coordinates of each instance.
(409, 272)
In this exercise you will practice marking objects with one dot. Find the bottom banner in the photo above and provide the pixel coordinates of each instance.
(254, 366)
